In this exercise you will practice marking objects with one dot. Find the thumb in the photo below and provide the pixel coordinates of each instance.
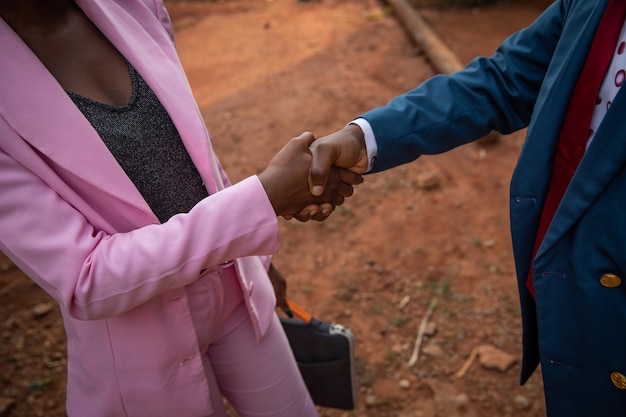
(307, 138)
(322, 158)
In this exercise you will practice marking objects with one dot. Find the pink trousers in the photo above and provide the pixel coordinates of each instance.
(257, 379)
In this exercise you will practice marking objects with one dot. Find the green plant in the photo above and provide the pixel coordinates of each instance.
(398, 321)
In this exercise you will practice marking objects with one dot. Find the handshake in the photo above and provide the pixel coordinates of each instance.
(309, 177)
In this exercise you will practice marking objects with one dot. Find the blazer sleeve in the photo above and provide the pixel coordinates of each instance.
(94, 274)
(266, 260)
(496, 93)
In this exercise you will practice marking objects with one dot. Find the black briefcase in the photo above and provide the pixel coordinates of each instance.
(325, 356)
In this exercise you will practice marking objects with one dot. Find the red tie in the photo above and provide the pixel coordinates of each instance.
(575, 131)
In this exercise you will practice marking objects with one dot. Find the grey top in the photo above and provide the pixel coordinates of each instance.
(144, 141)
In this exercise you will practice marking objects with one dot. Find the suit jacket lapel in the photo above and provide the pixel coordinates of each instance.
(596, 170)
(535, 164)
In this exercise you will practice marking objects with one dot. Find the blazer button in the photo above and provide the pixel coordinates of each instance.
(610, 280)
(619, 380)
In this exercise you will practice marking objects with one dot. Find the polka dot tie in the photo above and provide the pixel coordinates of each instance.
(613, 80)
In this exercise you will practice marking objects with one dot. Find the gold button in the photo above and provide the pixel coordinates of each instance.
(619, 380)
(610, 280)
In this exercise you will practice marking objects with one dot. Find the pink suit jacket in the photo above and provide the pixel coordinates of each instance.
(73, 221)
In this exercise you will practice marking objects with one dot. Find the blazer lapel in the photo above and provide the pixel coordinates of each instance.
(64, 136)
(60, 131)
(604, 158)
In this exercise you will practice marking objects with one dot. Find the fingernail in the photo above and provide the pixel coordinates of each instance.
(317, 190)
(326, 212)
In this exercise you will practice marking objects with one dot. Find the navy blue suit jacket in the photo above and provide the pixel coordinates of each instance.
(576, 328)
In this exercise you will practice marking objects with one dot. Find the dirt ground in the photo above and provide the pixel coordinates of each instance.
(433, 231)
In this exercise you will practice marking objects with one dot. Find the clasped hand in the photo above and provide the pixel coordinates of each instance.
(286, 182)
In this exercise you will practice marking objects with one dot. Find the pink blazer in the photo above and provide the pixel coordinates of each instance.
(73, 221)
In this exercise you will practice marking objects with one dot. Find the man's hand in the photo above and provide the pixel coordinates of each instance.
(286, 182)
(344, 148)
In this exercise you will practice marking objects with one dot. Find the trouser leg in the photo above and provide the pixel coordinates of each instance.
(259, 379)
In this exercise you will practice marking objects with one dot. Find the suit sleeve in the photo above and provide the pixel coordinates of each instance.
(446, 111)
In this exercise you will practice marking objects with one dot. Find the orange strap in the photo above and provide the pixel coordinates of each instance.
(299, 311)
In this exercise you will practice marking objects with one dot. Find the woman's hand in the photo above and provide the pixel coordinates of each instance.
(280, 287)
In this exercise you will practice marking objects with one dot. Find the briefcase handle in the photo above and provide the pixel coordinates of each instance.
(297, 311)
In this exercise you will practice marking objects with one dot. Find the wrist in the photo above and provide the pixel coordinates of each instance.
(356, 133)
(367, 143)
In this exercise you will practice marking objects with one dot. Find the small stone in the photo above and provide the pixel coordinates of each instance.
(434, 350)
(396, 347)
(41, 310)
(405, 383)
(431, 329)
(522, 403)
(5, 266)
(488, 243)
(405, 300)
(429, 181)
(460, 399)
(370, 400)
(493, 358)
